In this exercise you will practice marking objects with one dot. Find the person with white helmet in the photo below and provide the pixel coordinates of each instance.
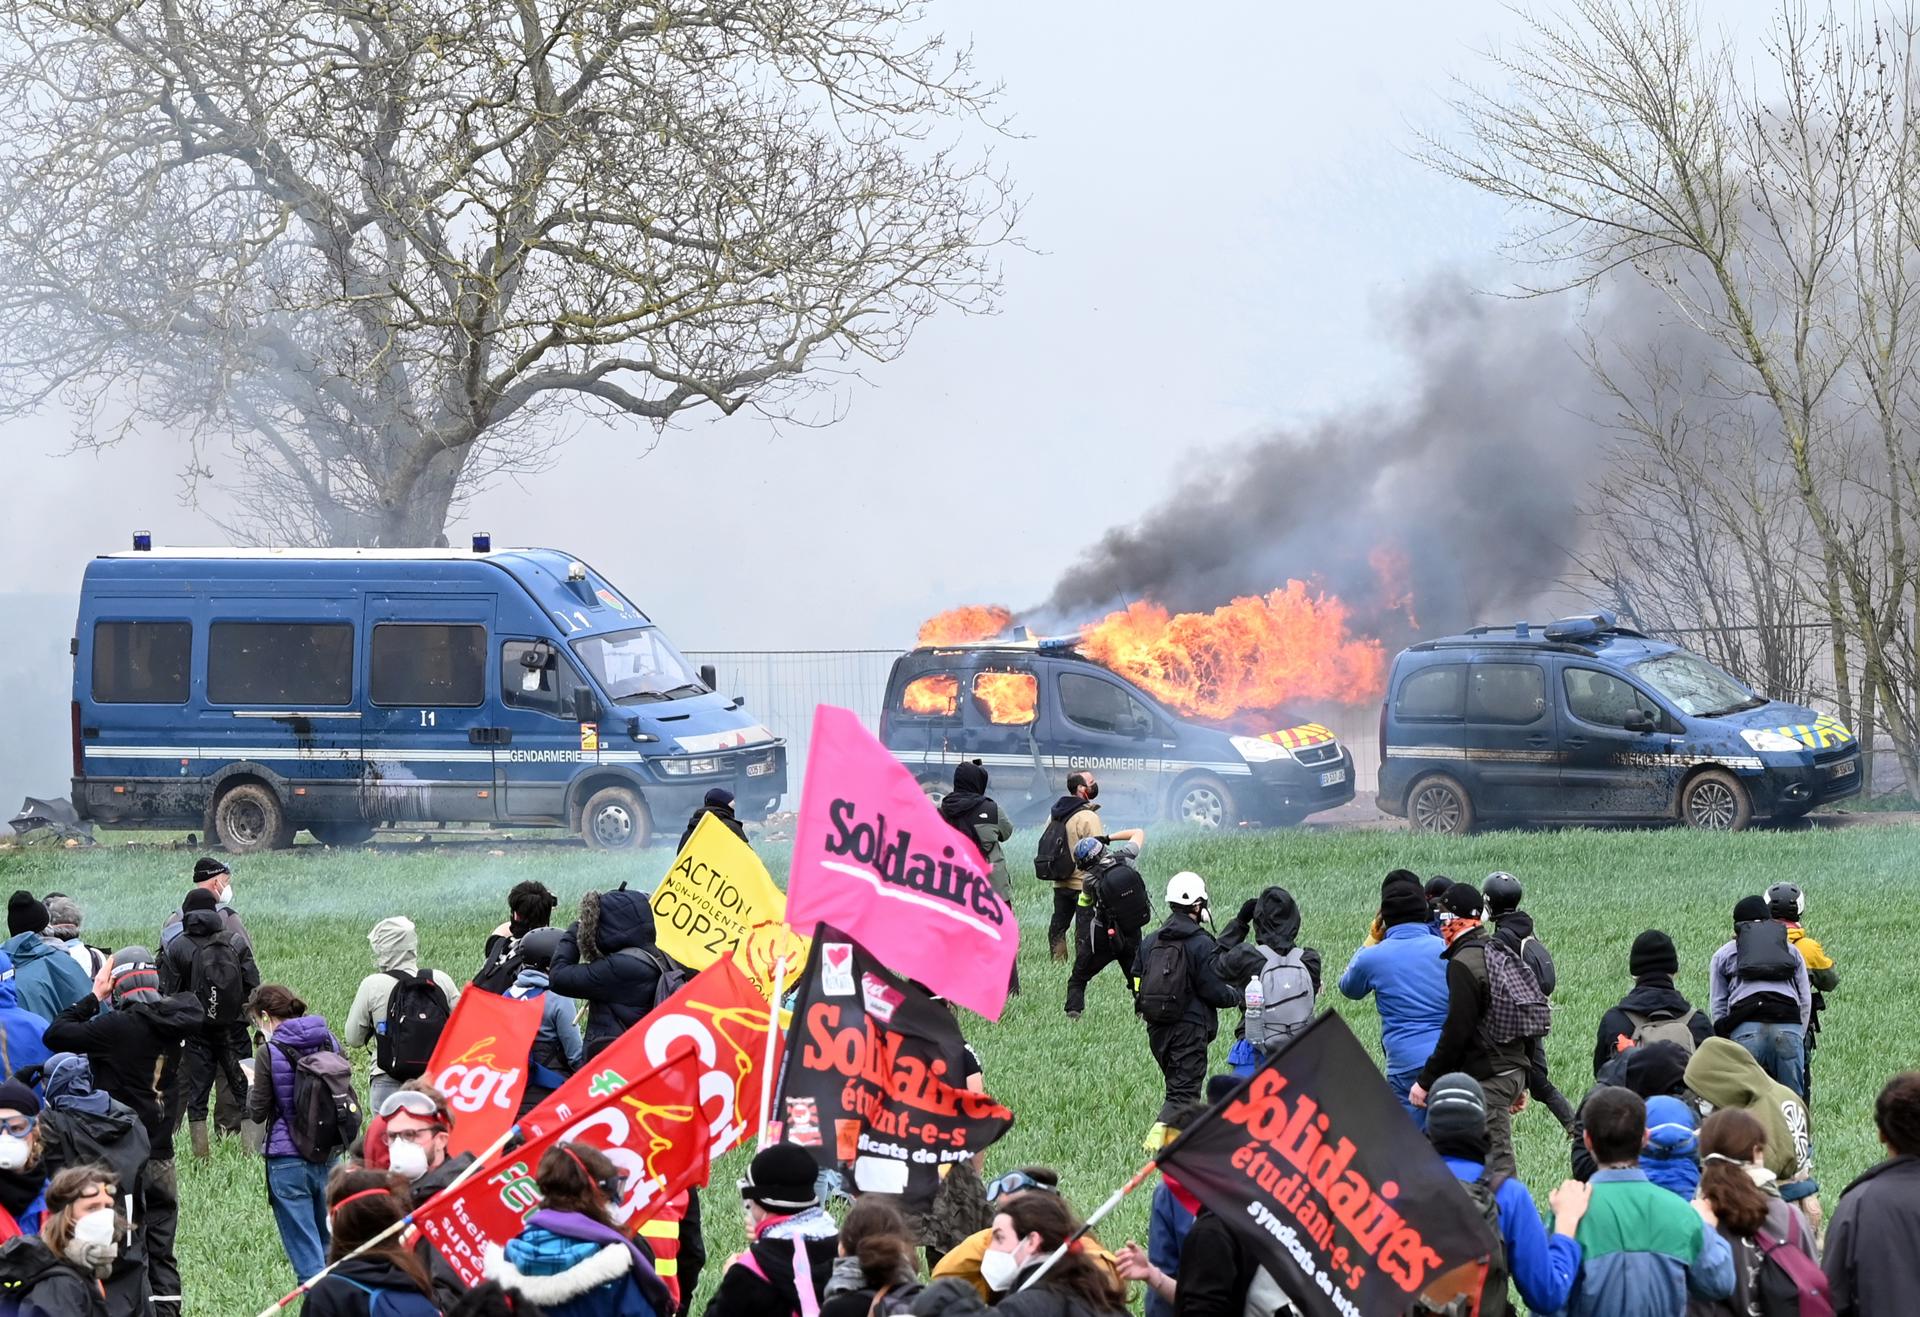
(1786, 903)
(1180, 992)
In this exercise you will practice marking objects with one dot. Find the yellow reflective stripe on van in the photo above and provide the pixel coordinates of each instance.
(1303, 735)
(1823, 733)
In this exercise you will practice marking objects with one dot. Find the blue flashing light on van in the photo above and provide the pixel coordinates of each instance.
(253, 693)
(1584, 720)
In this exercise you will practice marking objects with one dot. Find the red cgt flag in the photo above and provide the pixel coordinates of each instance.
(480, 1063)
(650, 1129)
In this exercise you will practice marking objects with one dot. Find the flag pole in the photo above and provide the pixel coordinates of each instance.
(407, 1220)
(1113, 1201)
(766, 1066)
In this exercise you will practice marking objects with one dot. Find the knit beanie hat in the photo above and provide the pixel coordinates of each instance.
(1457, 1117)
(1402, 902)
(1652, 953)
(780, 1178)
(1671, 1131)
(16, 1096)
(63, 916)
(133, 974)
(1751, 910)
(25, 914)
(718, 798)
(199, 899)
(207, 867)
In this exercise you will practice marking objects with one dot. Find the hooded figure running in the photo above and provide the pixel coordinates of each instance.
(969, 808)
(1281, 978)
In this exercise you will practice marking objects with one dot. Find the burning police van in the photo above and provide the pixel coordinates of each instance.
(257, 692)
(1034, 711)
(1586, 720)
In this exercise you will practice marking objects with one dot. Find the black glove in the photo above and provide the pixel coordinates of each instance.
(1246, 912)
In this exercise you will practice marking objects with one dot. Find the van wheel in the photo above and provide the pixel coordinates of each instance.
(616, 819)
(1440, 804)
(1203, 801)
(341, 833)
(1716, 802)
(250, 820)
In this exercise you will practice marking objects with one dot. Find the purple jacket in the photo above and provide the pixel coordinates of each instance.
(270, 1103)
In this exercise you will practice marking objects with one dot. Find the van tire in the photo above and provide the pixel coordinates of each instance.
(616, 819)
(1439, 804)
(1714, 801)
(250, 820)
(1204, 802)
(341, 833)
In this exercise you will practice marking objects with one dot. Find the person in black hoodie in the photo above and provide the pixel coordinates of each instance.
(1656, 1069)
(218, 1047)
(1514, 927)
(970, 809)
(80, 1127)
(1653, 1002)
(783, 1215)
(1179, 1042)
(134, 1050)
(1273, 918)
(529, 906)
(719, 803)
(607, 959)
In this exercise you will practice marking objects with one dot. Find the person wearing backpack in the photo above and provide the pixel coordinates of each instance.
(299, 1151)
(1653, 1070)
(1281, 978)
(1760, 995)
(60, 1271)
(570, 1259)
(132, 1051)
(1787, 903)
(1654, 1010)
(792, 1240)
(1513, 928)
(400, 1008)
(1541, 1266)
(81, 1126)
(557, 1047)
(1726, 1076)
(1873, 1243)
(969, 809)
(383, 1281)
(1073, 818)
(529, 909)
(1486, 984)
(1114, 911)
(607, 959)
(64, 918)
(1179, 993)
(1402, 966)
(1747, 1210)
(1644, 1251)
(206, 961)
(875, 1274)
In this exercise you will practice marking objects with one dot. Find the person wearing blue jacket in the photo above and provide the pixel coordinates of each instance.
(46, 980)
(557, 1048)
(1542, 1266)
(571, 1259)
(1408, 979)
(20, 1029)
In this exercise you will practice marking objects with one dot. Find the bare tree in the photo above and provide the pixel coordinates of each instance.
(378, 253)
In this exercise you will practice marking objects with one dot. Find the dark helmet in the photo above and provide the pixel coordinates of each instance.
(1502, 891)
(537, 947)
(1785, 901)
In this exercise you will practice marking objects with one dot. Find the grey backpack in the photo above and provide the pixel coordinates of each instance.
(1286, 989)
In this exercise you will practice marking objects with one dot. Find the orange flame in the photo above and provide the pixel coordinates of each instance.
(936, 695)
(1394, 572)
(1254, 653)
(959, 626)
(1010, 698)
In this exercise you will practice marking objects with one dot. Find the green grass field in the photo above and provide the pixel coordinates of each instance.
(1084, 1092)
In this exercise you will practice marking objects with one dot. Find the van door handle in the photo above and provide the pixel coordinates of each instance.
(1576, 742)
(489, 736)
(1538, 738)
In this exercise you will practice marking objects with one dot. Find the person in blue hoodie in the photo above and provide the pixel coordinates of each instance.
(571, 1260)
(1542, 1266)
(46, 980)
(1408, 979)
(20, 1029)
(1671, 1157)
(557, 1049)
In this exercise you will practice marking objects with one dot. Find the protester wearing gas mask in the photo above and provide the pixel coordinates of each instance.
(1026, 1232)
(23, 1177)
(80, 1125)
(296, 1185)
(571, 1259)
(63, 1269)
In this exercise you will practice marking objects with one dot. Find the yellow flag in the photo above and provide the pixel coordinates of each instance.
(716, 893)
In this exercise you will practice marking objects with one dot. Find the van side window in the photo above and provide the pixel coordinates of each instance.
(1603, 700)
(280, 665)
(141, 662)
(936, 695)
(429, 664)
(547, 688)
(1101, 706)
(1433, 694)
(1513, 694)
(1009, 699)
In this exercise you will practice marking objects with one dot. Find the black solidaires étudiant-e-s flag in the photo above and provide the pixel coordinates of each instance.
(873, 1079)
(1314, 1164)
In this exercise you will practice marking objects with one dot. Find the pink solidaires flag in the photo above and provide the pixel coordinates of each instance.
(873, 857)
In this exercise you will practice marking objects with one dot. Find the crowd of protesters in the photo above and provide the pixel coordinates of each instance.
(1691, 1189)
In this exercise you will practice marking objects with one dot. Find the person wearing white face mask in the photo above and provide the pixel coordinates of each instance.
(1026, 1232)
(23, 1179)
(296, 1186)
(59, 1272)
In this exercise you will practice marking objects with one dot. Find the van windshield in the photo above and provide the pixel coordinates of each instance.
(637, 667)
(1695, 686)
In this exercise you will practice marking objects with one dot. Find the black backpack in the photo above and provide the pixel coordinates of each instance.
(1164, 988)
(1053, 860)
(214, 976)
(1762, 952)
(325, 1119)
(672, 977)
(417, 1011)
(1120, 893)
(24, 1259)
(1492, 1301)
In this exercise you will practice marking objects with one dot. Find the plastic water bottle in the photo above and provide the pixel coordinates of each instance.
(1256, 996)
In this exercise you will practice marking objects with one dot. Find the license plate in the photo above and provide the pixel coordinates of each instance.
(760, 769)
(1327, 779)
(1845, 768)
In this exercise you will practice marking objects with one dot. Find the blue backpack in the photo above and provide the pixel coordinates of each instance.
(383, 1302)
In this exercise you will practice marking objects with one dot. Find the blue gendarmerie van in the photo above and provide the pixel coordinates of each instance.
(1584, 720)
(253, 693)
(1033, 711)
